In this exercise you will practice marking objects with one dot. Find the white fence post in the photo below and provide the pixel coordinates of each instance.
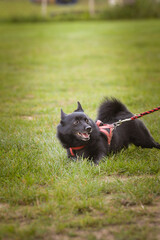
(44, 7)
(91, 4)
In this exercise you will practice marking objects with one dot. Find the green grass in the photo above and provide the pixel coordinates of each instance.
(45, 67)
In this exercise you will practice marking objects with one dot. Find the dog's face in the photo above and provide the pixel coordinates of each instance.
(76, 126)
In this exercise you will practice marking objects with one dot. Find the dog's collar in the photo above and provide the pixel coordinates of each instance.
(106, 129)
(75, 148)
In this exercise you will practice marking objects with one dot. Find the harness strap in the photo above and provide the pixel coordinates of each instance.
(106, 129)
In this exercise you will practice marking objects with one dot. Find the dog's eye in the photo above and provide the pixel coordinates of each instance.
(87, 121)
(76, 122)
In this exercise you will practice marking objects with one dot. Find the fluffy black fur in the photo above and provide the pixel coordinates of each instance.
(78, 129)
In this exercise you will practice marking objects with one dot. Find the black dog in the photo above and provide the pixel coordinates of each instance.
(81, 136)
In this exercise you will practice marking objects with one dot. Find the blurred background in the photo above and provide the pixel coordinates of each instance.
(50, 10)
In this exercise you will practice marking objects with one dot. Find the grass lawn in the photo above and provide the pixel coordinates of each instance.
(44, 67)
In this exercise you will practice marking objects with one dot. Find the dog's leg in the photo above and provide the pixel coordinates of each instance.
(98, 158)
(142, 137)
(96, 162)
(73, 158)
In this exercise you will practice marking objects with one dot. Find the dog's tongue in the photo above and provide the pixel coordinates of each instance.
(85, 135)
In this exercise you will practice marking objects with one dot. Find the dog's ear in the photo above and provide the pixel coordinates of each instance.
(79, 109)
(63, 115)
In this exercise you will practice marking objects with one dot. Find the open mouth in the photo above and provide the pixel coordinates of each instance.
(83, 136)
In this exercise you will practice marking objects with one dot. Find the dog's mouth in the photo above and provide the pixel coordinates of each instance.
(83, 136)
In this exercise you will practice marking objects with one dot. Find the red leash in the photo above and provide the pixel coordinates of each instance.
(116, 124)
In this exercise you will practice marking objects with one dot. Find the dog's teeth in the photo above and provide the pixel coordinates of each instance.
(83, 135)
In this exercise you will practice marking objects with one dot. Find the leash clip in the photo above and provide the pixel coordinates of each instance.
(117, 124)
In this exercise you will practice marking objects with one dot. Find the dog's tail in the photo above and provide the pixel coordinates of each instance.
(112, 110)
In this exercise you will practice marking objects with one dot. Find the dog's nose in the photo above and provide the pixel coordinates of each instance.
(88, 129)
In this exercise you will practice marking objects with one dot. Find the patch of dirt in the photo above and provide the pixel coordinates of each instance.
(3, 206)
(30, 118)
(91, 234)
(113, 178)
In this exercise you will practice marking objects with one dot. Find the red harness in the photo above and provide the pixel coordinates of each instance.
(106, 129)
